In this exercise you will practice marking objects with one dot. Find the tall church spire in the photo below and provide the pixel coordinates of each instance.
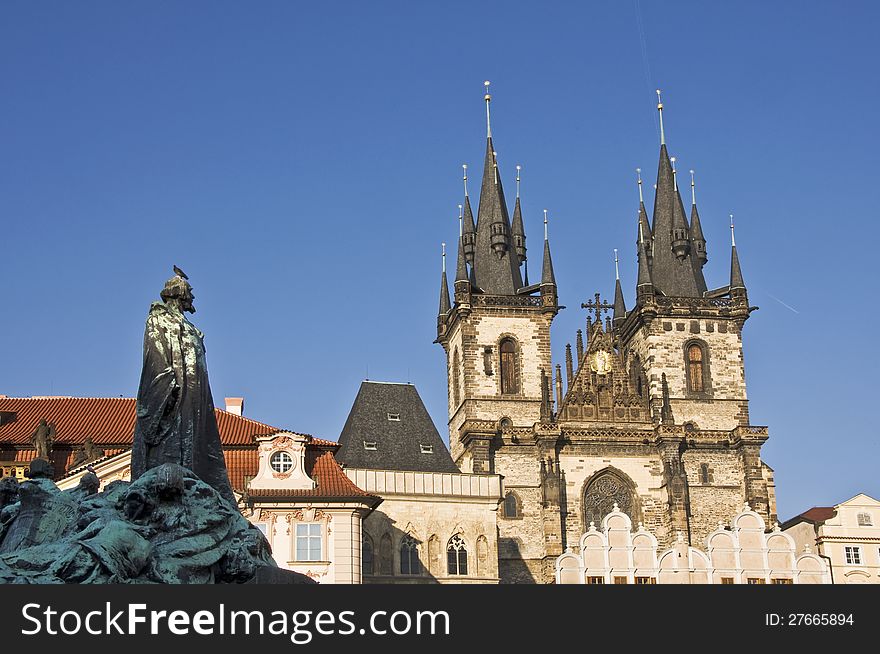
(547, 276)
(672, 269)
(736, 277)
(644, 285)
(495, 262)
(643, 221)
(698, 241)
(619, 305)
(468, 230)
(519, 232)
(444, 286)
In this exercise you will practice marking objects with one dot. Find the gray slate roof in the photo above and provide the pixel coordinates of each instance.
(398, 443)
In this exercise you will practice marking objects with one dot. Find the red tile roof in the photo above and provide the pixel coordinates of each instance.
(110, 423)
(818, 514)
(323, 468)
(108, 420)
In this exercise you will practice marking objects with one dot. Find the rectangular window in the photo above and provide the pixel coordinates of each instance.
(595, 581)
(781, 582)
(727, 581)
(308, 542)
(853, 555)
(394, 417)
(645, 581)
(621, 580)
(757, 580)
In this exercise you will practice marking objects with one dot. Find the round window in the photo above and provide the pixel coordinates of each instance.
(281, 462)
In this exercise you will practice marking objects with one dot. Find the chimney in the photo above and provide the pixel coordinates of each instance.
(235, 405)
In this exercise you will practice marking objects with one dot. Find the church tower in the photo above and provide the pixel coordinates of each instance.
(496, 333)
(651, 417)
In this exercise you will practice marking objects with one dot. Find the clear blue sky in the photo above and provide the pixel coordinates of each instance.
(301, 162)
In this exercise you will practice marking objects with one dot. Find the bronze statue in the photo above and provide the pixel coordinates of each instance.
(176, 422)
(43, 438)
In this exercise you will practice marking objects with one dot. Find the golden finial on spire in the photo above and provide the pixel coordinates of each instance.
(495, 165)
(460, 220)
(545, 224)
(488, 99)
(616, 269)
(639, 175)
(732, 238)
(464, 168)
(518, 168)
(660, 110)
(674, 177)
(693, 189)
(443, 245)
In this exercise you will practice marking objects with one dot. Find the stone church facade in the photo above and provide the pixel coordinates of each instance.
(650, 412)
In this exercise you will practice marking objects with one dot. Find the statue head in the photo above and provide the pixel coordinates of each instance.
(178, 292)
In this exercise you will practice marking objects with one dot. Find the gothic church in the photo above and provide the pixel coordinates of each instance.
(651, 412)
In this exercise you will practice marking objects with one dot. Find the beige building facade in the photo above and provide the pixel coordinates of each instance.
(430, 528)
(846, 535)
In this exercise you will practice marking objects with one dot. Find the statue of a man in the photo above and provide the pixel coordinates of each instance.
(176, 422)
(43, 438)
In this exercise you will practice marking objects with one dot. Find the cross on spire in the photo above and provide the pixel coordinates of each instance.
(598, 306)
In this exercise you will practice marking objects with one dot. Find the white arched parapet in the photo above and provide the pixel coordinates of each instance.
(616, 520)
(569, 569)
(644, 552)
(811, 569)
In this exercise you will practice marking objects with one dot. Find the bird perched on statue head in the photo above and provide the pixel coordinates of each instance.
(180, 273)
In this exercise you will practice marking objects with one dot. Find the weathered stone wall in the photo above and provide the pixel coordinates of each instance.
(427, 516)
(661, 347)
(480, 381)
(644, 470)
(719, 498)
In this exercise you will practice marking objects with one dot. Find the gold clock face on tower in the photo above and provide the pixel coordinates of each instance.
(600, 362)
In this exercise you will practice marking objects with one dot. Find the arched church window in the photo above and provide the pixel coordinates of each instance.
(511, 506)
(386, 559)
(367, 556)
(455, 375)
(602, 493)
(695, 368)
(509, 378)
(409, 557)
(456, 556)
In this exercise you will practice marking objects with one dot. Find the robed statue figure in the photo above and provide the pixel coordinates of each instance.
(176, 422)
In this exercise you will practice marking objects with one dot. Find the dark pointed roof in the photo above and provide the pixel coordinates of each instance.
(519, 232)
(646, 227)
(401, 443)
(468, 228)
(672, 276)
(461, 273)
(696, 227)
(444, 294)
(644, 278)
(547, 276)
(494, 274)
(619, 305)
(736, 276)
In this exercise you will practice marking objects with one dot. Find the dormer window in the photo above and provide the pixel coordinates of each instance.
(372, 446)
(427, 449)
(394, 417)
(281, 462)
